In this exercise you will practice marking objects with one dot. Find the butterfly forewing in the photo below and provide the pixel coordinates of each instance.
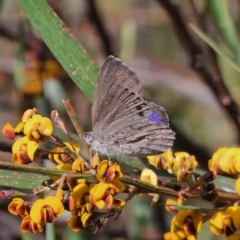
(113, 73)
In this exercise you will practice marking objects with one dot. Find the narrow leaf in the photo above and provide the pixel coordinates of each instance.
(215, 47)
(23, 180)
(219, 11)
(69, 52)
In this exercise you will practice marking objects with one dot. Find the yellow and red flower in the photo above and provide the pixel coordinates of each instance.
(75, 224)
(225, 222)
(102, 194)
(23, 150)
(225, 160)
(38, 127)
(80, 194)
(189, 221)
(9, 131)
(162, 161)
(28, 225)
(79, 165)
(19, 207)
(61, 155)
(107, 171)
(46, 210)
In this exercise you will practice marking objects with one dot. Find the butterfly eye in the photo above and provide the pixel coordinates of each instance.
(88, 137)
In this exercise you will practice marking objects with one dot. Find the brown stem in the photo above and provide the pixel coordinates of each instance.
(94, 16)
(76, 123)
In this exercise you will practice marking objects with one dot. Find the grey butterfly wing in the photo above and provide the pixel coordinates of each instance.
(135, 127)
(113, 73)
(123, 122)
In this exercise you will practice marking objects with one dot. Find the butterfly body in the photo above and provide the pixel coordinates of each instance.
(123, 123)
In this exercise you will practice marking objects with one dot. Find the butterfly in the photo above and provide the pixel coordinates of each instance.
(123, 123)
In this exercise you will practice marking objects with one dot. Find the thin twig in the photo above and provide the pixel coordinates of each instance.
(76, 123)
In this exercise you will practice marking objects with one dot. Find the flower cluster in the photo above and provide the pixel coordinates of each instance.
(34, 216)
(101, 195)
(226, 160)
(84, 200)
(89, 188)
(182, 164)
(32, 130)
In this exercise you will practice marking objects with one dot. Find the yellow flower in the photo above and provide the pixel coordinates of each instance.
(18, 207)
(79, 165)
(234, 212)
(81, 217)
(184, 164)
(23, 150)
(19, 128)
(38, 127)
(149, 176)
(46, 210)
(225, 222)
(28, 225)
(107, 172)
(86, 213)
(225, 160)
(28, 114)
(80, 194)
(101, 194)
(233, 237)
(8, 131)
(162, 161)
(95, 161)
(189, 221)
(61, 155)
(75, 224)
(51, 70)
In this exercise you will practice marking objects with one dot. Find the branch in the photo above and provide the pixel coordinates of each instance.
(93, 14)
(196, 53)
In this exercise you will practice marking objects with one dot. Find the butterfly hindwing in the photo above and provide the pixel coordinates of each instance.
(134, 126)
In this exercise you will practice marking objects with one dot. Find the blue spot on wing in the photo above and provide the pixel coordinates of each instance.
(155, 117)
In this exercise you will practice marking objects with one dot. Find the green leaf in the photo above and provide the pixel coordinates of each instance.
(216, 47)
(23, 180)
(219, 11)
(28, 177)
(69, 52)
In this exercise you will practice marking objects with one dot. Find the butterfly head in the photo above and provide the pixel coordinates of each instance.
(88, 137)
